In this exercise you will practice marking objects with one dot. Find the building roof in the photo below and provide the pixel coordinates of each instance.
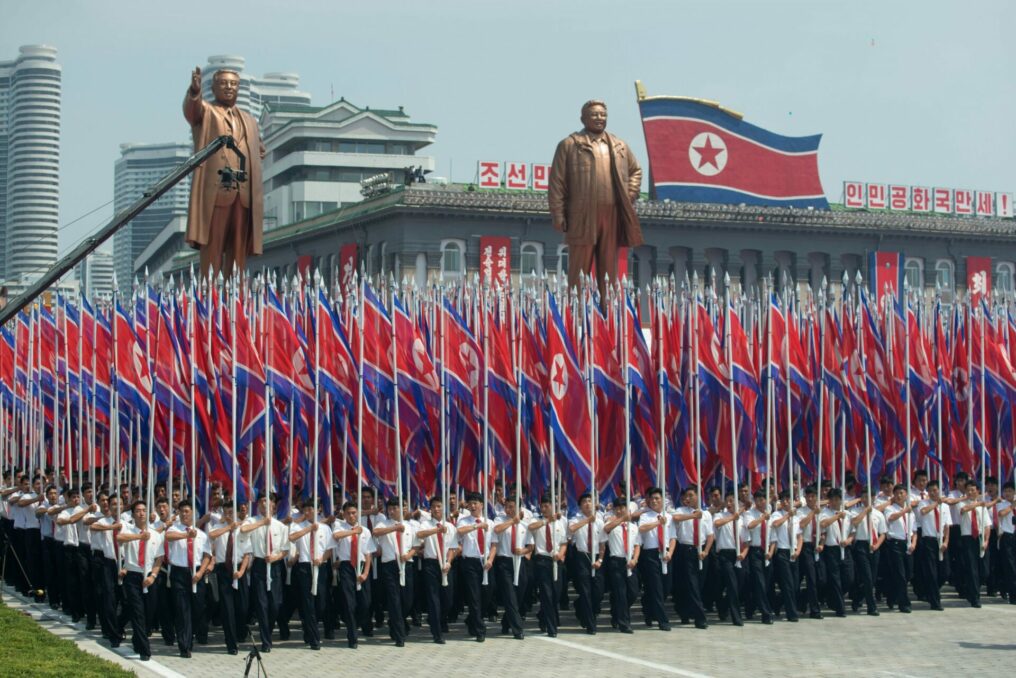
(397, 116)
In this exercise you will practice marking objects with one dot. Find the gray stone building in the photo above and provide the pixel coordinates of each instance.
(422, 230)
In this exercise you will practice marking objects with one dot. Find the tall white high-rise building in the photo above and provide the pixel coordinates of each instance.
(29, 164)
(138, 167)
(95, 274)
(255, 92)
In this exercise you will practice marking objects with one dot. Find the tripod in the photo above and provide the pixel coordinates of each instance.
(254, 656)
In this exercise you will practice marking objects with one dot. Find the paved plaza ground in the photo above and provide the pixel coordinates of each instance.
(959, 641)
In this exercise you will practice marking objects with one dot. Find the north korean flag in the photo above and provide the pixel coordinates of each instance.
(703, 153)
(569, 405)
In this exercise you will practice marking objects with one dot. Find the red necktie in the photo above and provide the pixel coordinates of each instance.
(546, 531)
(398, 542)
(165, 550)
(190, 552)
(440, 540)
(624, 536)
(269, 539)
(514, 542)
(479, 541)
(765, 544)
(938, 529)
(694, 529)
(116, 546)
(814, 529)
(589, 538)
(141, 555)
(312, 544)
(229, 553)
(659, 536)
(974, 531)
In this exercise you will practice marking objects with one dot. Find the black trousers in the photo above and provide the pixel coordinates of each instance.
(970, 564)
(689, 582)
(71, 582)
(1006, 565)
(266, 603)
(588, 590)
(163, 596)
(323, 600)
(897, 572)
(834, 560)
(33, 559)
(110, 594)
(865, 570)
(812, 573)
(188, 609)
(354, 606)
(436, 597)
(788, 579)
(653, 579)
(94, 564)
(928, 567)
(52, 557)
(302, 577)
(731, 578)
(139, 610)
(504, 580)
(471, 574)
(623, 591)
(548, 592)
(398, 598)
(227, 604)
(759, 582)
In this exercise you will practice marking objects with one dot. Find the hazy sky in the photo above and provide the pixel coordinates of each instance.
(908, 92)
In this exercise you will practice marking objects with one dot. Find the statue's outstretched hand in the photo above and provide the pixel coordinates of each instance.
(195, 81)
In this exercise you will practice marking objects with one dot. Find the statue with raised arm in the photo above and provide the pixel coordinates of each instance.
(224, 220)
(594, 183)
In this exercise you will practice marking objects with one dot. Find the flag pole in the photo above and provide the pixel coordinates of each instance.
(696, 417)
(359, 418)
(516, 559)
(398, 438)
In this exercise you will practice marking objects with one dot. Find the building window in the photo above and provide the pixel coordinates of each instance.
(914, 271)
(1005, 271)
(531, 259)
(562, 260)
(306, 209)
(634, 272)
(453, 258)
(945, 279)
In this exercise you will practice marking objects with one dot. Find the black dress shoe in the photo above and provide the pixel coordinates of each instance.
(90, 627)
(233, 651)
(185, 654)
(738, 622)
(938, 608)
(520, 636)
(841, 614)
(352, 644)
(439, 641)
(400, 643)
(815, 615)
(329, 635)
(625, 629)
(552, 634)
(145, 657)
(315, 647)
(114, 643)
(591, 632)
(792, 619)
(664, 627)
(481, 638)
(905, 610)
(767, 620)
(873, 613)
(266, 648)
(703, 625)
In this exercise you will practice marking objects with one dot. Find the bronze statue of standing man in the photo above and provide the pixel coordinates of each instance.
(225, 219)
(594, 183)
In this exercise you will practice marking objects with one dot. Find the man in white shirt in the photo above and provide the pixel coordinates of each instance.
(975, 531)
(956, 494)
(623, 547)
(161, 588)
(550, 539)
(756, 521)
(395, 536)
(32, 538)
(657, 547)
(269, 546)
(692, 532)
(52, 551)
(785, 543)
(475, 536)
(354, 549)
(66, 533)
(142, 559)
(231, 562)
(869, 533)
(811, 550)
(190, 556)
(934, 520)
(1007, 543)
(310, 554)
(586, 531)
(109, 594)
(732, 543)
(438, 546)
(834, 521)
(902, 540)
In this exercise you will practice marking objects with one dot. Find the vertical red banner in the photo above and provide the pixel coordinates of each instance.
(495, 259)
(885, 273)
(978, 278)
(347, 264)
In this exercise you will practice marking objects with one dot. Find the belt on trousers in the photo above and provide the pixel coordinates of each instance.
(542, 556)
